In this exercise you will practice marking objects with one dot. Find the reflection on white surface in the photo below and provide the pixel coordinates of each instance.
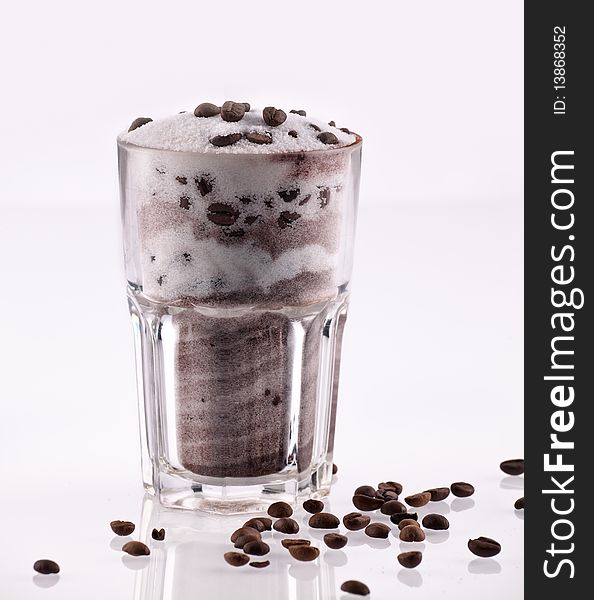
(512, 482)
(410, 577)
(45, 581)
(484, 566)
(460, 504)
(436, 537)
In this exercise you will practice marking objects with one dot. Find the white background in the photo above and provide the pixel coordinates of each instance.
(431, 388)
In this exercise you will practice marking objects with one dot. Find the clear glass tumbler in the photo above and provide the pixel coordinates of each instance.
(238, 269)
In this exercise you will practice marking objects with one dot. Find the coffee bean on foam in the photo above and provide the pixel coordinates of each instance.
(273, 117)
(207, 109)
(301, 113)
(327, 137)
(232, 111)
(139, 123)
(225, 140)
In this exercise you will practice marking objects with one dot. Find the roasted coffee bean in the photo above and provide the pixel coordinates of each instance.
(258, 138)
(185, 202)
(207, 109)
(345, 130)
(279, 510)
(412, 533)
(136, 549)
(204, 185)
(256, 548)
(244, 539)
(418, 500)
(225, 140)
(288, 542)
(314, 127)
(365, 490)
(391, 507)
(46, 567)
(138, 123)
(399, 517)
(222, 214)
(182, 180)
(355, 587)
(232, 111)
(390, 485)
(377, 530)
(274, 116)
(324, 520)
(514, 466)
(122, 527)
(236, 559)
(313, 506)
(434, 521)
(484, 547)
(405, 522)
(301, 113)
(332, 123)
(438, 494)
(293, 133)
(286, 525)
(519, 503)
(388, 495)
(259, 564)
(327, 137)
(245, 531)
(260, 524)
(336, 541)
(355, 521)
(334, 469)
(410, 560)
(366, 503)
(289, 195)
(462, 489)
(247, 106)
(287, 218)
(158, 534)
(303, 552)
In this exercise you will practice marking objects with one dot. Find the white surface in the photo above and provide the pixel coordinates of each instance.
(432, 375)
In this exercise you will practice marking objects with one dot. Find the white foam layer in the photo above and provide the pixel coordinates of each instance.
(186, 133)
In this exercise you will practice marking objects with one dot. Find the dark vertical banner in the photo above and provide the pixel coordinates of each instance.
(559, 336)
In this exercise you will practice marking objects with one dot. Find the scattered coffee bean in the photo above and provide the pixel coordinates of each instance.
(366, 503)
(484, 547)
(236, 559)
(388, 495)
(332, 123)
(158, 534)
(336, 541)
(410, 560)
(222, 214)
(122, 527)
(286, 525)
(514, 466)
(418, 500)
(303, 552)
(324, 520)
(259, 523)
(287, 218)
(138, 123)
(365, 490)
(136, 549)
(204, 185)
(405, 522)
(519, 503)
(288, 542)
(391, 507)
(390, 485)
(244, 539)
(355, 521)
(232, 111)
(314, 127)
(279, 510)
(46, 567)
(345, 130)
(355, 587)
(274, 116)
(207, 109)
(289, 195)
(313, 506)
(377, 530)
(301, 113)
(258, 138)
(182, 180)
(293, 133)
(334, 469)
(260, 564)
(435, 521)
(399, 517)
(245, 531)
(247, 106)
(257, 548)
(412, 533)
(225, 140)
(438, 494)
(462, 489)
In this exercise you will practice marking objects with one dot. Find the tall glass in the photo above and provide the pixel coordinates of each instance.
(238, 269)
